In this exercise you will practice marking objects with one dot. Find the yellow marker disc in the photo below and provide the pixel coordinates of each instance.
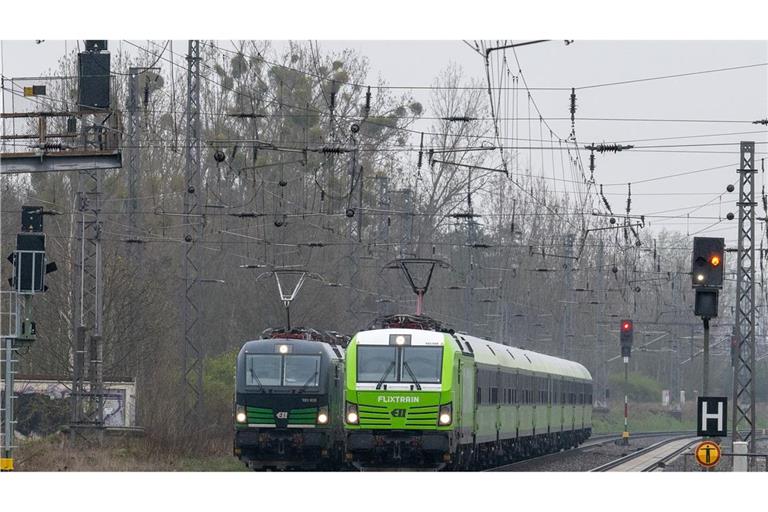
(707, 454)
(6, 464)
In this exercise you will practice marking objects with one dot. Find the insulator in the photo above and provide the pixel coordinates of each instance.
(368, 101)
(573, 108)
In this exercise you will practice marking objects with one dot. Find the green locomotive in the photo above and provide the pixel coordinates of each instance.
(288, 409)
(418, 394)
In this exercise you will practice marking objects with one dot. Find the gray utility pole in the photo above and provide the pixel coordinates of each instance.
(705, 359)
(676, 331)
(133, 156)
(566, 331)
(381, 184)
(87, 378)
(600, 358)
(469, 283)
(6, 408)
(744, 389)
(193, 236)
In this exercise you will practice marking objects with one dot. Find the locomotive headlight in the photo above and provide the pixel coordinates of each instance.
(240, 415)
(322, 416)
(352, 417)
(283, 349)
(446, 417)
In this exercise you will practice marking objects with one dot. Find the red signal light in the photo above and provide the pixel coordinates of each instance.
(714, 260)
(626, 326)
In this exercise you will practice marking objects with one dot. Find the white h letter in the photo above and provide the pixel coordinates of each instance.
(705, 416)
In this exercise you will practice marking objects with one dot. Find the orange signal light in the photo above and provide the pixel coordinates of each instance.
(715, 260)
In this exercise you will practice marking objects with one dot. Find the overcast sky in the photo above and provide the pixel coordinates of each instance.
(722, 97)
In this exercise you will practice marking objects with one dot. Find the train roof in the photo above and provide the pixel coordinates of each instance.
(487, 352)
(304, 346)
(492, 353)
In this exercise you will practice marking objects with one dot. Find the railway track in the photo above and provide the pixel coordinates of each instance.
(593, 442)
(651, 458)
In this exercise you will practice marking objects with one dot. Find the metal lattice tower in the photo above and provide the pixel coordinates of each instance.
(193, 226)
(744, 390)
(88, 380)
(566, 332)
(601, 381)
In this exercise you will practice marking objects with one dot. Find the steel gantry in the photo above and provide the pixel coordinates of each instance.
(744, 384)
(193, 236)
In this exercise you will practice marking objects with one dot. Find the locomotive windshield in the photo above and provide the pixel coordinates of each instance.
(421, 364)
(290, 370)
(409, 364)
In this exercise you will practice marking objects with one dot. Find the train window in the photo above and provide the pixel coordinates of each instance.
(301, 370)
(421, 364)
(479, 397)
(263, 370)
(494, 395)
(376, 363)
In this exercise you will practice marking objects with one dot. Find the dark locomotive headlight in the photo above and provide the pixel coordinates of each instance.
(446, 415)
(240, 415)
(351, 414)
(322, 416)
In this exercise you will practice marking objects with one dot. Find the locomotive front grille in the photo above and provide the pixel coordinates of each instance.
(260, 416)
(378, 416)
(422, 416)
(373, 416)
(306, 416)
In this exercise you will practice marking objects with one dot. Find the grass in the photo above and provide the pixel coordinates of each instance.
(53, 453)
(643, 418)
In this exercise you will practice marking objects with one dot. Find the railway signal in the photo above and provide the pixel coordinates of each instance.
(29, 269)
(627, 331)
(626, 335)
(707, 264)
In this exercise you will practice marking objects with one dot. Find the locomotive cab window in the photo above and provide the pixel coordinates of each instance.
(301, 370)
(282, 370)
(407, 364)
(421, 364)
(263, 370)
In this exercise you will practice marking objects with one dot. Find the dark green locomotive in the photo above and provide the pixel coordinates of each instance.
(288, 401)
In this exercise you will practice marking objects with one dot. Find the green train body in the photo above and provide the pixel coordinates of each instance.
(288, 404)
(431, 398)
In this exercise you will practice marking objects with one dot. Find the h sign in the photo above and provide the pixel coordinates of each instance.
(712, 416)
